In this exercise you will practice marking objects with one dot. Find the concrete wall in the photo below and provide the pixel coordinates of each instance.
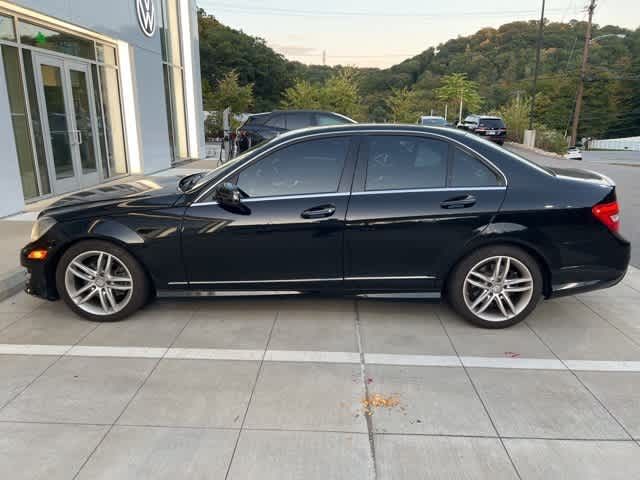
(12, 199)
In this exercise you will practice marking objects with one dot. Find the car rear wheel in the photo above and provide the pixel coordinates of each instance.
(101, 281)
(496, 287)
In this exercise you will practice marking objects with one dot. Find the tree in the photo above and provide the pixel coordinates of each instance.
(516, 116)
(341, 94)
(457, 88)
(338, 94)
(402, 105)
(230, 94)
(302, 95)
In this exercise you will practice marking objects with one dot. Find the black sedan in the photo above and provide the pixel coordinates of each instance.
(357, 209)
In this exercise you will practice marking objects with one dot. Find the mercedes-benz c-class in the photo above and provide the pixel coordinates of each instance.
(345, 210)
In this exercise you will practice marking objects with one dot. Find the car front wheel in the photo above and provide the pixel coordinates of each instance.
(101, 281)
(496, 287)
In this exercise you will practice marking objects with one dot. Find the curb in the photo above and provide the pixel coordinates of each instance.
(539, 151)
(12, 283)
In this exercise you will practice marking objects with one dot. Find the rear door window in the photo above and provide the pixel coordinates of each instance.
(396, 162)
(468, 171)
(298, 120)
(277, 121)
(324, 119)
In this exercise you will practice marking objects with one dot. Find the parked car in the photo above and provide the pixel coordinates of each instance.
(433, 121)
(573, 153)
(351, 209)
(493, 128)
(265, 126)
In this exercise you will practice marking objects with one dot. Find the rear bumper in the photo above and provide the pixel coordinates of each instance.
(500, 137)
(574, 280)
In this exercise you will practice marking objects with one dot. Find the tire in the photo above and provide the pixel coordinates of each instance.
(517, 294)
(84, 286)
(501, 142)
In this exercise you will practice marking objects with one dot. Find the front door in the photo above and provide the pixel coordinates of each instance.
(287, 233)
(65, 97)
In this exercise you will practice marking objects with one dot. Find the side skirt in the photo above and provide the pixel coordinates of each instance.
(261, 293)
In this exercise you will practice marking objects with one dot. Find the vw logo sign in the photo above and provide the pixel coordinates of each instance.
(146, 16)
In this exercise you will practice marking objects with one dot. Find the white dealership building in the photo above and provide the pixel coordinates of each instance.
(93, 90)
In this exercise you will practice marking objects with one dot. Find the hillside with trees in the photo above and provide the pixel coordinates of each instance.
(498, 62)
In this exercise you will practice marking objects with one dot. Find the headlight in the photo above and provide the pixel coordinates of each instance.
(42, 226)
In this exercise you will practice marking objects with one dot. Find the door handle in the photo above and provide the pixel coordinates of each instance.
(464, 201)
(322, 211)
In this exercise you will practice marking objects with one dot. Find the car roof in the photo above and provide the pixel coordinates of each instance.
(382, 127)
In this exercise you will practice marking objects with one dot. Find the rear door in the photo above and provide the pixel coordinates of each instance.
(417, 200)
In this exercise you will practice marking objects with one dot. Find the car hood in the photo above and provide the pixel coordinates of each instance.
(157, 191)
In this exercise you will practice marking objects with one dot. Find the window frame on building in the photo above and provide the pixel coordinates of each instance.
(40, 166)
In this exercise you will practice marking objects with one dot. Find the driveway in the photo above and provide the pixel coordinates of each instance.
(321, 388)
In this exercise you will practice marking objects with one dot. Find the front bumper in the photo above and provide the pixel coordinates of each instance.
(41, 280)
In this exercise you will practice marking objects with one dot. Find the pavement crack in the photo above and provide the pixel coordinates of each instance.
(365, 386)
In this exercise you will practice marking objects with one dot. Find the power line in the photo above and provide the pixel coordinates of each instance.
(254, 9)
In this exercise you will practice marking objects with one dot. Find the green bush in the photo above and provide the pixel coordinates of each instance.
(550, 140)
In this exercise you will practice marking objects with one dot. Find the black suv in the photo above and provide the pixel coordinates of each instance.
(493, 128)
(265, 126)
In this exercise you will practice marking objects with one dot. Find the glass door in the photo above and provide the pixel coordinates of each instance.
(69, 122)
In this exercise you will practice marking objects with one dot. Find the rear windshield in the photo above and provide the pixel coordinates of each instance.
(491, 123)
(438, 122)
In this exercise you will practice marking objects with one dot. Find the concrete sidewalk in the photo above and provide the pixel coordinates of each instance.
(15, 230)
(321, 388)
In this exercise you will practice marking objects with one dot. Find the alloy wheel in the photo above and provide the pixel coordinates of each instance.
(498, 288)
(99, 282)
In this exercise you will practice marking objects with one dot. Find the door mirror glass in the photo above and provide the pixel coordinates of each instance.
(229, 194)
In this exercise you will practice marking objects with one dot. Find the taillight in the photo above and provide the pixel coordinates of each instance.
(609, 214)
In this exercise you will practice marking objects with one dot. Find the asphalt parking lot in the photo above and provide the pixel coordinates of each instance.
(321, 388)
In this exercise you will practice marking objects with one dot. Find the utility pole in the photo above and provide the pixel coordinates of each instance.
(324, 57)
(461, 97)
(583, 73)
(535, 73)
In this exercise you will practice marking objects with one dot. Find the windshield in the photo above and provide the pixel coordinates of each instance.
(511, 153)
(491, 123)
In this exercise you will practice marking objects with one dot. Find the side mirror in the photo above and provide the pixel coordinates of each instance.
(229, 194)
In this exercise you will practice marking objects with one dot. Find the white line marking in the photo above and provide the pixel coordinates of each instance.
(310, 356)
(322, 357)
(11, 349)
(213, 354)
(126, 352)
(412, 360)
(519, 363)
(603, 366)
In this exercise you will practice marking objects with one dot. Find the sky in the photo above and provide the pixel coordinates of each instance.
(378, 33)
